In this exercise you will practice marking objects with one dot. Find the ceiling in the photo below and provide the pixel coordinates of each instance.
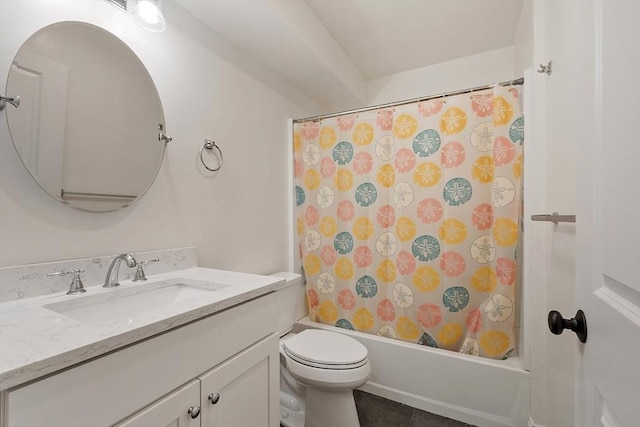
(329, 49)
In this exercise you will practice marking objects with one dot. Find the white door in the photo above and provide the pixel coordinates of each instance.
(608, 225)
(38, 125)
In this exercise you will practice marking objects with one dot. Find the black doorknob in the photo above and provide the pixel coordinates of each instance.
(577, 324)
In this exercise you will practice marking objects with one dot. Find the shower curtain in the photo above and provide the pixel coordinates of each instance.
(408, 220)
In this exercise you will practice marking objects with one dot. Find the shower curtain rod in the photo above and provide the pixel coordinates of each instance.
(409, 101)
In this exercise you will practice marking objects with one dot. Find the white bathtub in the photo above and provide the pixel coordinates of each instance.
(474, 390)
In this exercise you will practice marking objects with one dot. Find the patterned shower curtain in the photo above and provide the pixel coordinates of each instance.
(408, 220)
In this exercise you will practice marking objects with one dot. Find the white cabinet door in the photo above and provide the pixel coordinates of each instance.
(179, 409)
(244, 391)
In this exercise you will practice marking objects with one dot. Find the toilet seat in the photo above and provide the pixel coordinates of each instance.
(325, 350)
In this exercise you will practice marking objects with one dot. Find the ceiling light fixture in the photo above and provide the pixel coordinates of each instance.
(120, 4)
(148, 15)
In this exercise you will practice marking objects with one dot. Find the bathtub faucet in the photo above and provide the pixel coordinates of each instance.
(111, 280)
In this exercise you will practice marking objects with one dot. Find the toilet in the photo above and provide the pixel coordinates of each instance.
(319, 369)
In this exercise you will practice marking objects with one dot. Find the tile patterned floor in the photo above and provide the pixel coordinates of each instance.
(375, 411)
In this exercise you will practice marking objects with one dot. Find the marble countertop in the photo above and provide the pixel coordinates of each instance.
(36, 341)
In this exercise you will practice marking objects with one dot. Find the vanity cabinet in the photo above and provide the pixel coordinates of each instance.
(237, 393)
(233, 353)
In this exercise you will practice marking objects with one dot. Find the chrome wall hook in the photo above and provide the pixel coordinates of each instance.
(545, 69)
(15, 101)
(161, 136)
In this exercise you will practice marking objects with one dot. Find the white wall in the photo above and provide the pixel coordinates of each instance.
(523, 40)
(470, 71)
(237, 218)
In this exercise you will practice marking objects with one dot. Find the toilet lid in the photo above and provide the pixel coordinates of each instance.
(320, 348)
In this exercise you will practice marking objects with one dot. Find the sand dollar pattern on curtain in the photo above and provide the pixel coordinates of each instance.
(408, 220)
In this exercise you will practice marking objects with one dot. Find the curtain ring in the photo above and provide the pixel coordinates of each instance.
(209, 145)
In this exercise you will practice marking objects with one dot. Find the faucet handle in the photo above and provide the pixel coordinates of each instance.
(139, 276)
(76, 285)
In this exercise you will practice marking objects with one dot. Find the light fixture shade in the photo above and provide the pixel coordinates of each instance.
(148, 15)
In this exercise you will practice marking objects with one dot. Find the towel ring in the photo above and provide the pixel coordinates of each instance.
(210, 145)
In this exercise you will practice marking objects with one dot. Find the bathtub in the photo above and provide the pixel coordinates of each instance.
(474, 390)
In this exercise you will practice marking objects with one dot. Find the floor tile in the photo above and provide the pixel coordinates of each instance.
(374, 411)
(427, 419)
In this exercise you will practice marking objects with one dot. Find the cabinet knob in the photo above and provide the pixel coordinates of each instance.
(213, 398)
(194, 411)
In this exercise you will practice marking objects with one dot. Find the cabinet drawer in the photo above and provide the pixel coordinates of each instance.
(106, 390)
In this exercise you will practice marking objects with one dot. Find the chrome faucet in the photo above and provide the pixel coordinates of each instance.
(112, 275)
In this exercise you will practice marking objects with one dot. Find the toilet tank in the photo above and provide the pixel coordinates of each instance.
(292, 301)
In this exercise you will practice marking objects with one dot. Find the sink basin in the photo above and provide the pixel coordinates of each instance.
(127, 303)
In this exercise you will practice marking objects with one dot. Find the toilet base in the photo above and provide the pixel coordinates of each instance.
(291, 411)
(330, 408)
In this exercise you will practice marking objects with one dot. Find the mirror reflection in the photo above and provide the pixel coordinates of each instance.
(87, 125)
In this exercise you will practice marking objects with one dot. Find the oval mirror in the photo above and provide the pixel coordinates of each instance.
(87, 127)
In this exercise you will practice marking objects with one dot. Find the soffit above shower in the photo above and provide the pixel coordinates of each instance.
(388, 37)
(329, 49)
